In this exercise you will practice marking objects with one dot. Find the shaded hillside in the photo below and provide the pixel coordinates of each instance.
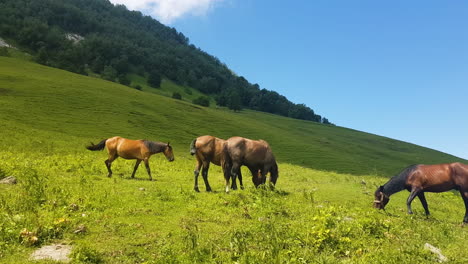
(113, 42)
(42, 106)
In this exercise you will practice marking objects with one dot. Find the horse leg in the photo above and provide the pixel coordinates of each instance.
(263, 174)
(234, 173)
(464, 195)
(136, 167)
(254, 171)
(413, 194)
(148, 168)
(196, 172)
(422, 198)
(234, 184)
(108, 163)
(206, 167)
(240, 180)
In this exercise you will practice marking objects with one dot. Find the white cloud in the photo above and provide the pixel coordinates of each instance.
(167, 11)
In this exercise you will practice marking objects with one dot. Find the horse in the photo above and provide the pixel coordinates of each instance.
(419, 179)
(208, 149)
(141, 150)
(255, 154)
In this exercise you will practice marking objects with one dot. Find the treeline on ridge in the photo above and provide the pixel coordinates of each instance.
(116, 41)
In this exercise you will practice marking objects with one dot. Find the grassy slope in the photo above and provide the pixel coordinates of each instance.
(48, 115)
(55, 103)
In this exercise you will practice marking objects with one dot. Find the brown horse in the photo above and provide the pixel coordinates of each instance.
(255, 154)
(207, 149)
(141, 150)
(426, 178)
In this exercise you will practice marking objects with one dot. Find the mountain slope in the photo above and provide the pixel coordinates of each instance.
(112, 42)
(46, 106)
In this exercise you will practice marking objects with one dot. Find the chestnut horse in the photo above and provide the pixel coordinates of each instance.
(207, 149)
(141, 150)
(426, 178)
(255, 154)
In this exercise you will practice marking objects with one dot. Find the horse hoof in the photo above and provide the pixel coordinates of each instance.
(208, 190)
(196, 189)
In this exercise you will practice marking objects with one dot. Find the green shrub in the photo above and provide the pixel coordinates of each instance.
(138, 87)
(176, 95)
(202, 100)
(4, 52)
(124, 80)
(188, 91)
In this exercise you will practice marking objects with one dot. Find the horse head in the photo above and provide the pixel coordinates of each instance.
(168, 152)
(381, 199)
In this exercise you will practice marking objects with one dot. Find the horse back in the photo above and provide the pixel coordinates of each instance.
(432, 178)
(210, 149)
(250, 152)
(127, 148)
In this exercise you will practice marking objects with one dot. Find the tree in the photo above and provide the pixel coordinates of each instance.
(124, 80)
(109, 73)
(233, 100)
(154, 79)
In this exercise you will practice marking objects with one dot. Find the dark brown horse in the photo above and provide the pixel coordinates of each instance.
(255, 154)
(207, 149)
(141, 150)
(426, 178)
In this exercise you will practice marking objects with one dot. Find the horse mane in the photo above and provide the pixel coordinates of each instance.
(154, 147)
(398, 182)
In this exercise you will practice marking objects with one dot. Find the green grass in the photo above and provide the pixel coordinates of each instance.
(64, 108)
(320, 212)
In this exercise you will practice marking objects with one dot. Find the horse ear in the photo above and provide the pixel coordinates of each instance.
(168, 144)
(381, 188)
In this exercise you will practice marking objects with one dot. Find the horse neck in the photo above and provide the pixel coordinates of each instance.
(398, 182)
(394, 185)
(155, 147)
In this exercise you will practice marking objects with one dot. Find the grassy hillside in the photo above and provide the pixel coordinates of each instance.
(315, 215)
(66, 108)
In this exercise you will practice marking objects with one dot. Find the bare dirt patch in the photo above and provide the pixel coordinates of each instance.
(57, 252)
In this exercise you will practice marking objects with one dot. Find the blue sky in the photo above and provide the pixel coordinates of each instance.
(393, 68)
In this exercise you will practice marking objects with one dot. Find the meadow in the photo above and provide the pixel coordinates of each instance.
(320, 212)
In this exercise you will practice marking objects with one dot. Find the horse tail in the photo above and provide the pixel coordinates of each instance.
(193, 149)
(226, 161)
(98, 146)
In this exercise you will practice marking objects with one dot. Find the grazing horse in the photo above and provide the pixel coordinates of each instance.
(426, 178)
(255, 154)
(141, 150)
(207, 149)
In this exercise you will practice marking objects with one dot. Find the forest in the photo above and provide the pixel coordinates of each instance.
(95, 36)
